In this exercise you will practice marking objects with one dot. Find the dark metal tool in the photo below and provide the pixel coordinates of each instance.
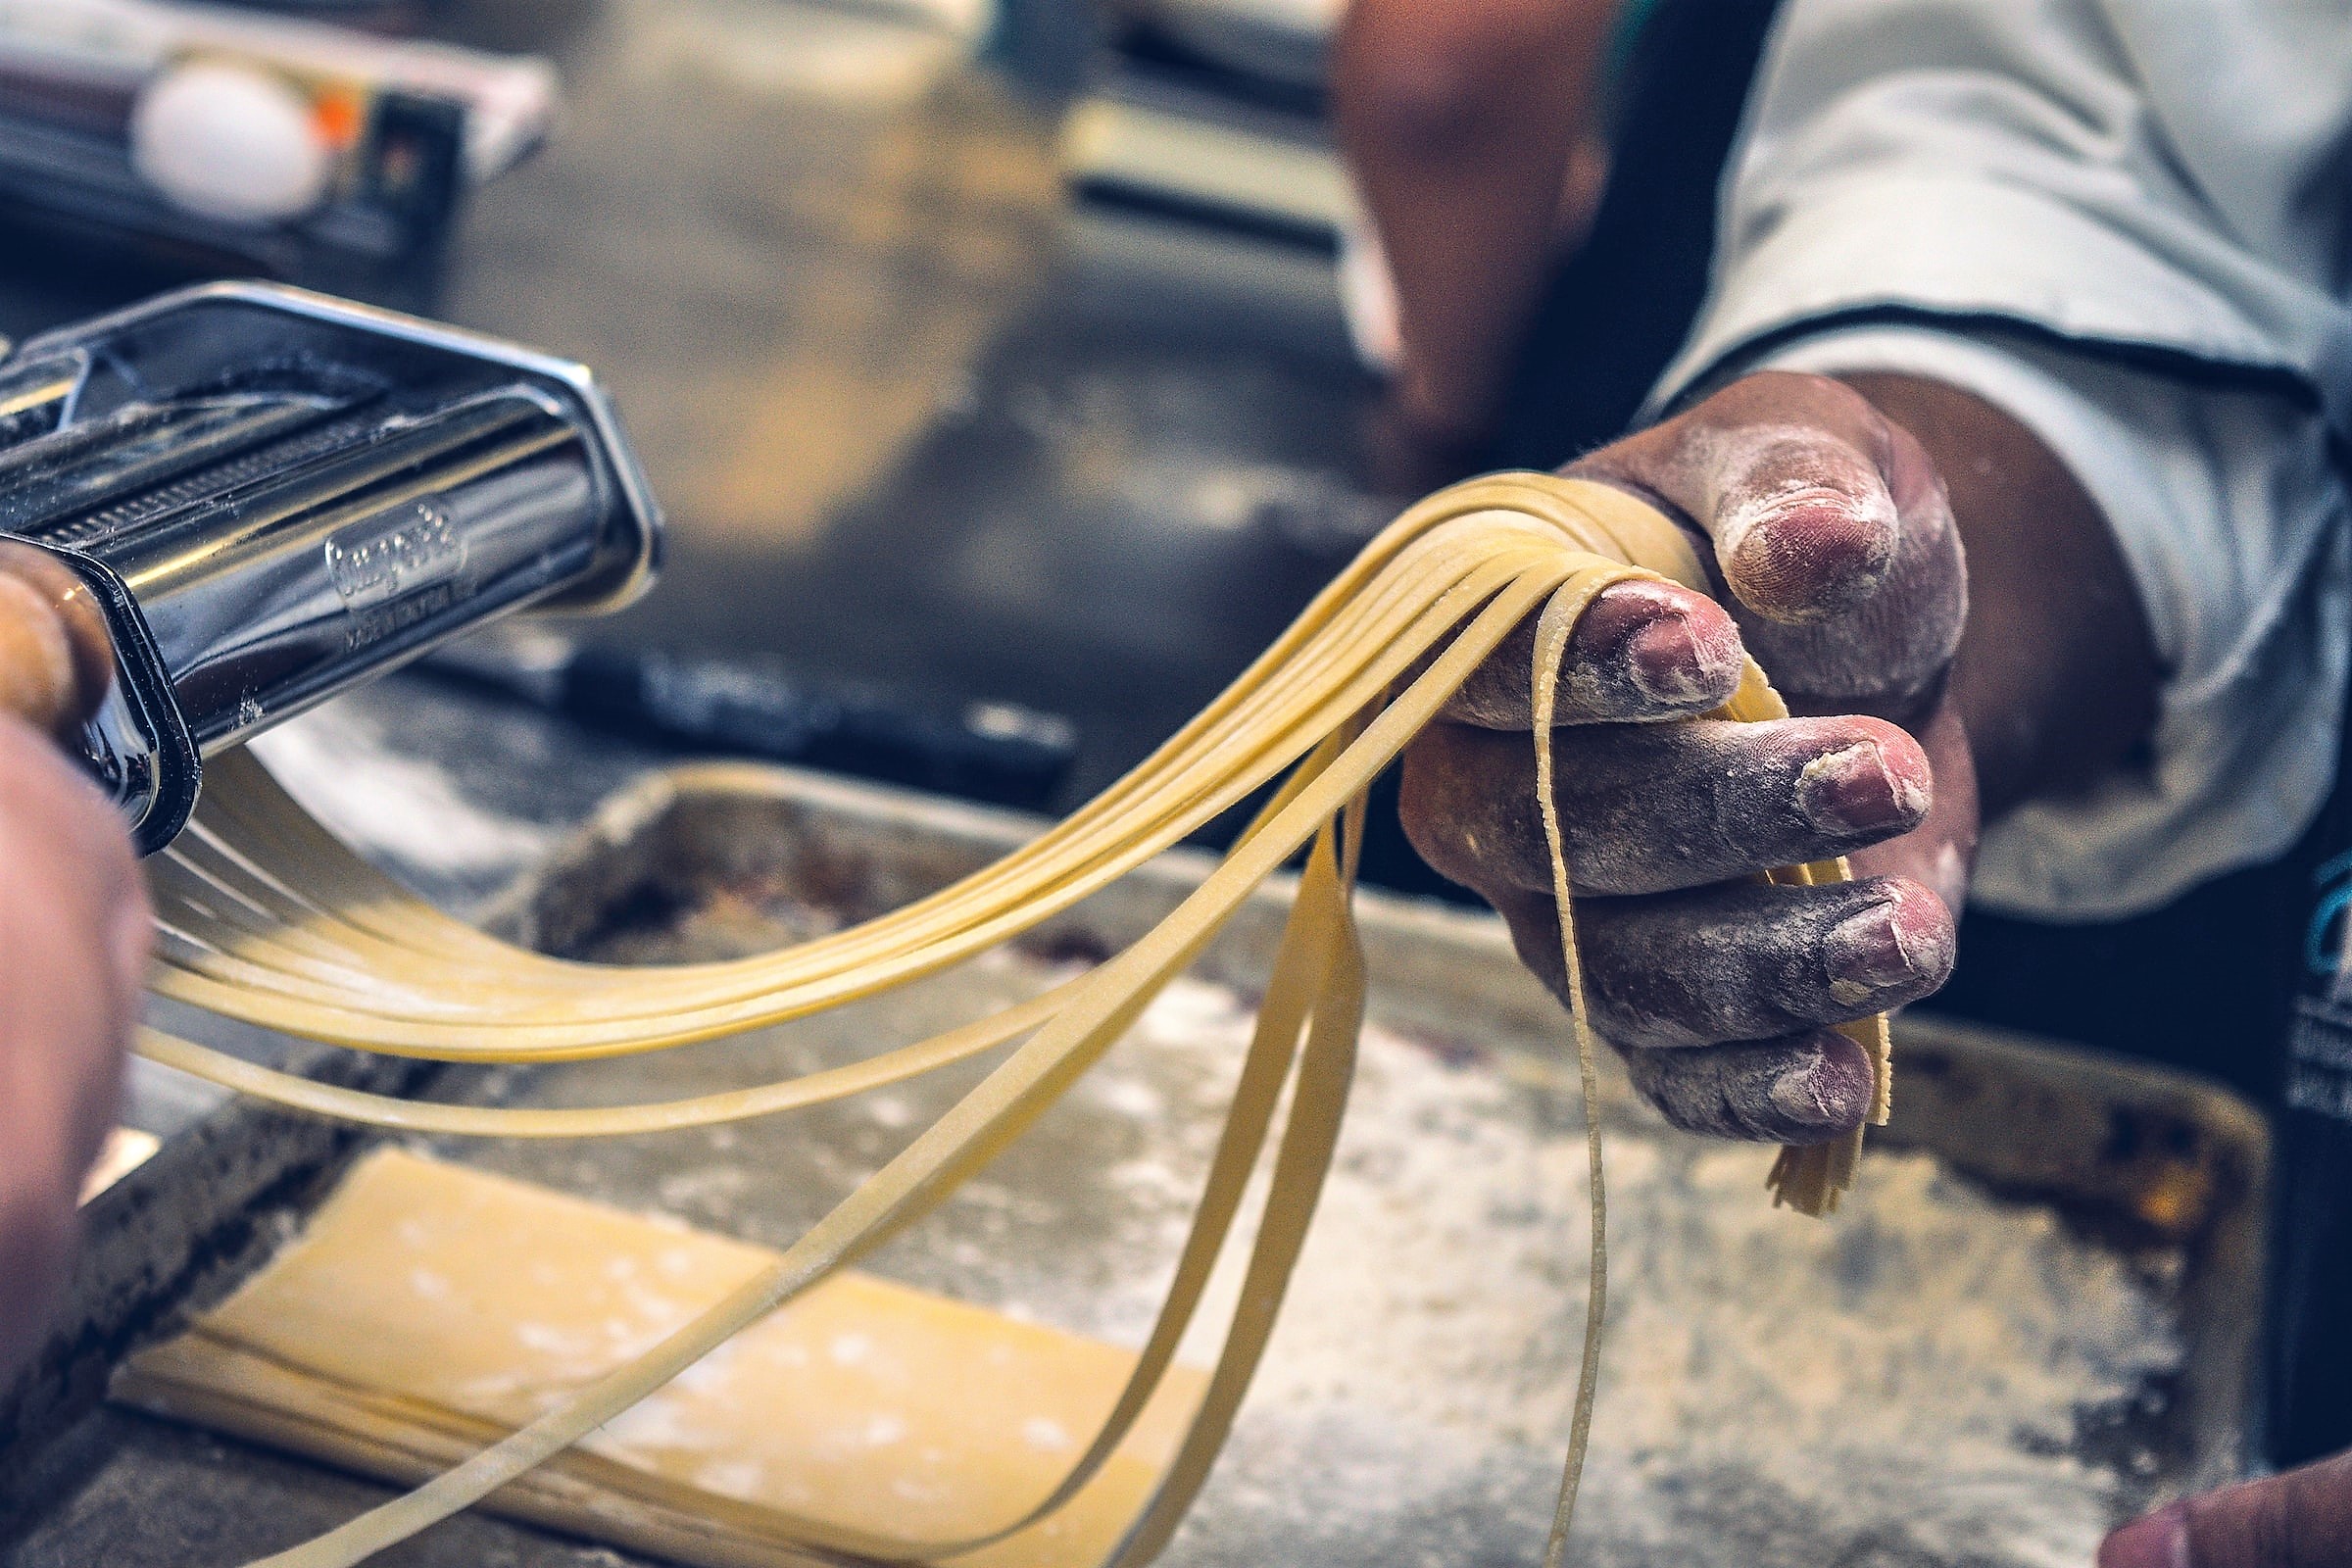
(267, 495)
(1000, 753)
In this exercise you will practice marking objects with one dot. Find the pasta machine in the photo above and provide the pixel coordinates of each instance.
(256, 497)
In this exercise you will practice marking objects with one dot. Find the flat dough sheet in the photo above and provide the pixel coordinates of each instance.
(428, 1308)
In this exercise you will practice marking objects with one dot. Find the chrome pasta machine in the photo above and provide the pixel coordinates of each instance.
(237, 500)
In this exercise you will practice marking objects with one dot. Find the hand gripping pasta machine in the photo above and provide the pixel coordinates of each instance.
(239, 500)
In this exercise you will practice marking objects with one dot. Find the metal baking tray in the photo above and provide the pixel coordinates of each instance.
(2035, 1314)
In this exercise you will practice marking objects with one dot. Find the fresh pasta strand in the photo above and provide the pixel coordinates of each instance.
(1552, 632)
(266, 917)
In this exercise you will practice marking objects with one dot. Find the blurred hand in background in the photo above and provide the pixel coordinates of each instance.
(1476, 134)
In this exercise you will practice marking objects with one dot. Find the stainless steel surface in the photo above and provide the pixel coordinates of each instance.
(280, 496)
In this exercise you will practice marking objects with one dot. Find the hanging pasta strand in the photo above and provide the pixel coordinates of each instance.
(266, 918)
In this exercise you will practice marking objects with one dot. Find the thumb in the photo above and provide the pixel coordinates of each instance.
(1830, 529)
(1789, 475)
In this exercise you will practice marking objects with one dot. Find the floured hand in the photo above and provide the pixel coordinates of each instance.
(1840, 568)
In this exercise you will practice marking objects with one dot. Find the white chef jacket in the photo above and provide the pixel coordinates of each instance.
(2125, 224)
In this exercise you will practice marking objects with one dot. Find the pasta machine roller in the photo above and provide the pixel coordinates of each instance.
(242, 498)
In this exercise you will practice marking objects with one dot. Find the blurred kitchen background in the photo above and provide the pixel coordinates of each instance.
(981, 351)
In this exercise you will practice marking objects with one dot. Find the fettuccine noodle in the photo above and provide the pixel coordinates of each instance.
(266, 918)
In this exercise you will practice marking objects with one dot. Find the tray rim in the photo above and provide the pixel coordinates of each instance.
(2223, 1365)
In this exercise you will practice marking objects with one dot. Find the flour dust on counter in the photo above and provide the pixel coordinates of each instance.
(1910, 1384)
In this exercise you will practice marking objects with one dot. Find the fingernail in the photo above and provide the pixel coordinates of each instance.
(2160, 1541)
(1672, 663)
(1866, 954)
(1823, 1093)
(1802, 551)
(1852, 790)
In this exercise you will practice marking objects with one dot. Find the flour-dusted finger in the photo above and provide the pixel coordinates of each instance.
(1803, 1089)
(1643, 650)
(1832, 531)
(1653, 808)
(1742, 961)
(1787, 473)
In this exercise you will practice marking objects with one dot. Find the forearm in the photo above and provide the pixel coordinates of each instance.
(1459, 121)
